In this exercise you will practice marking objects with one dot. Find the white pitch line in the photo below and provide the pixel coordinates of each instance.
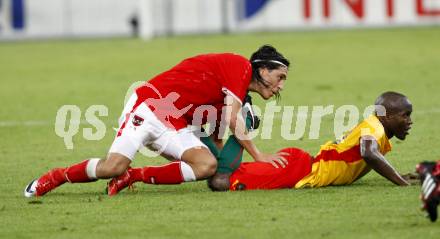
(33, 123)
(433, 111)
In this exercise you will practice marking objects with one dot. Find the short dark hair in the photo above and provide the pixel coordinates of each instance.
(267, 57)
(392, 102)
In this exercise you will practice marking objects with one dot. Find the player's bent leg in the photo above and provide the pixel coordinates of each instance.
(193, 161)
(196, 163)
(87, 171)
(77, 173)
(123, 149)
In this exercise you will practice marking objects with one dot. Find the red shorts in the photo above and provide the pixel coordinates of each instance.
(258, 175)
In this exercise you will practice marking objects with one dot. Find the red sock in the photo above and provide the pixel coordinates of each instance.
(166, 174)
(78, 173)
(59, 174)
(55, 175)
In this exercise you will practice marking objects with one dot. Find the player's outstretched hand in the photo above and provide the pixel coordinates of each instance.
(412, 178)
(276, 160)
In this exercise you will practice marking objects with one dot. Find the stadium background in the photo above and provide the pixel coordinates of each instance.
(73, 52)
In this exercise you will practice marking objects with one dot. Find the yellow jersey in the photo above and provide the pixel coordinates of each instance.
(340, 163)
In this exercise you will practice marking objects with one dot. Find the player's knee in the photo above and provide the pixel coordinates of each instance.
(207, 168)
(203, 163)
(211, 166)
(219, 182)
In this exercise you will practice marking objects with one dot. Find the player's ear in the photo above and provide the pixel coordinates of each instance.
(262, 70)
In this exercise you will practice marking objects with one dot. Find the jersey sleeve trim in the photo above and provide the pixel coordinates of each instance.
(228, 92)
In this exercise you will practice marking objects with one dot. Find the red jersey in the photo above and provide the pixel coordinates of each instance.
(259, 175)
(201, 80)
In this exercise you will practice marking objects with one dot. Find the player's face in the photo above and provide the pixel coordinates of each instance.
(401, 121)
(274, 79)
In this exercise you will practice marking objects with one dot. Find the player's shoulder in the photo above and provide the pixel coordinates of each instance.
(214, 59)
(231, 57)
(372, 126)
(371, 122)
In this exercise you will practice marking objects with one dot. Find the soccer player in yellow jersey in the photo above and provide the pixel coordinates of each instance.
(337, 163)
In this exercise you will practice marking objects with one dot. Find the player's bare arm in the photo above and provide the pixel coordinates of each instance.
(412, 178)
(371, 155)
(238, 128)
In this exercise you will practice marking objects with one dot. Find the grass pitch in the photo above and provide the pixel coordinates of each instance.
(329, 68)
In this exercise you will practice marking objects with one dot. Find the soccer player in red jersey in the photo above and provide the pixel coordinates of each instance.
(337, 163)
(158, 115)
